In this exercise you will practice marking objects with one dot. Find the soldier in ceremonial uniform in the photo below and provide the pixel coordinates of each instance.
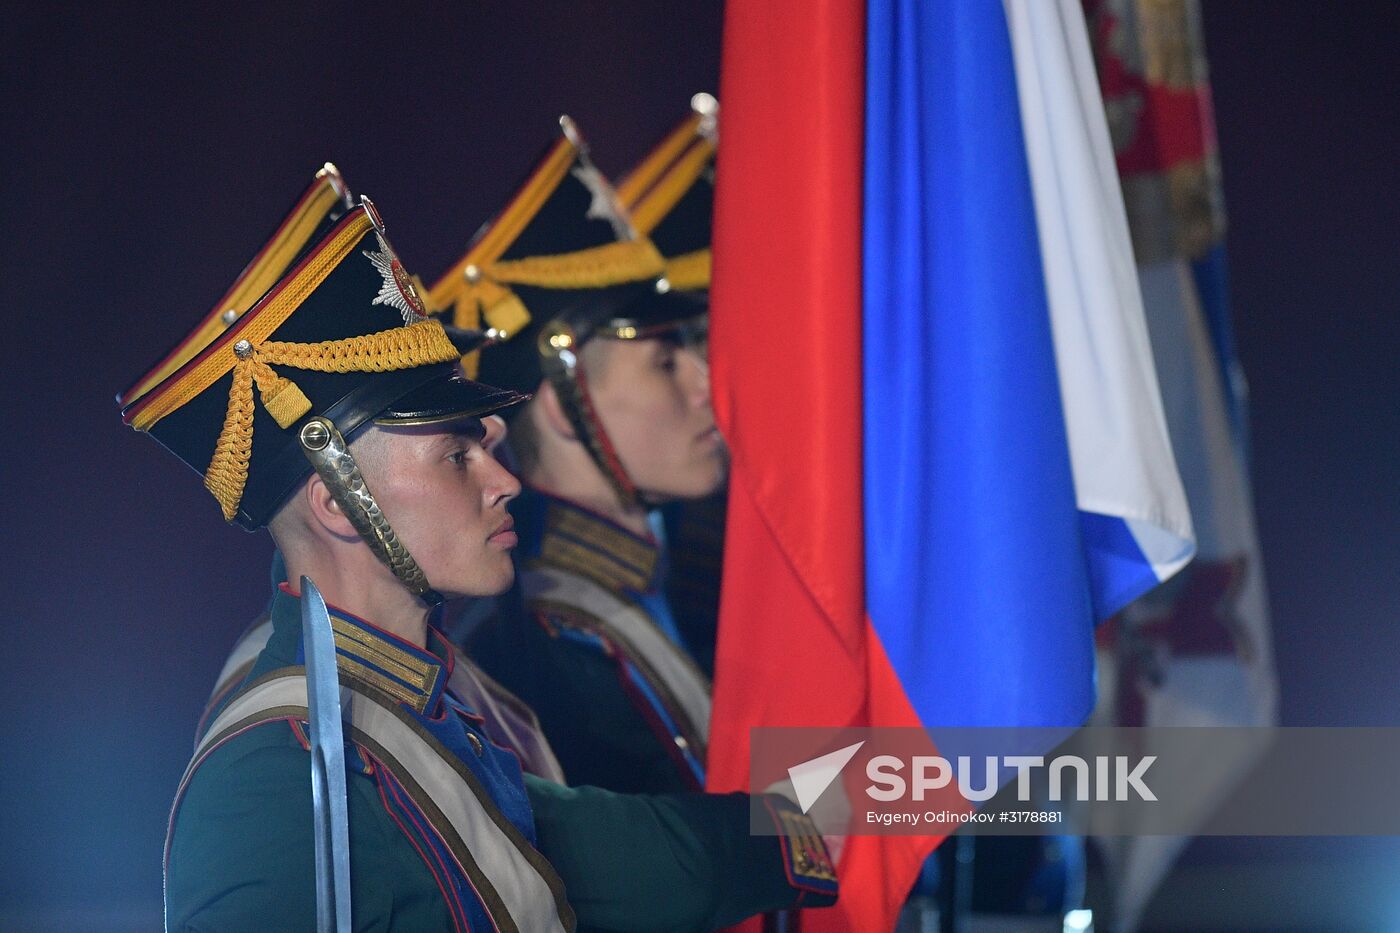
(669, 197)
(620, 423)
(509, 722)
(333, 411)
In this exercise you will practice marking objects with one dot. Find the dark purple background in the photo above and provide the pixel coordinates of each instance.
(148, 151)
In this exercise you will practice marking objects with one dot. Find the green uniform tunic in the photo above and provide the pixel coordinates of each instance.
(241, 849)
(612, 715)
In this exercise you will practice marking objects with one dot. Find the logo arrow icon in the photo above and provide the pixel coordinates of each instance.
(811, 778)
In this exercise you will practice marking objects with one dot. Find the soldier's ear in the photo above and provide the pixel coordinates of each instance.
(325, 512)
(551, 413)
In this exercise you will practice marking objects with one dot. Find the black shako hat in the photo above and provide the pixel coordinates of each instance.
(560, 257)
(342, 336)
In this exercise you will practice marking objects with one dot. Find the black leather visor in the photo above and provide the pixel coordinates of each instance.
(447, 399)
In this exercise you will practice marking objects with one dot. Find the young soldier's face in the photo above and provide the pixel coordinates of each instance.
(445, 494)
(653, 398)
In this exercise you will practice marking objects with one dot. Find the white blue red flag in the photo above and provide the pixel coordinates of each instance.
(930, 359)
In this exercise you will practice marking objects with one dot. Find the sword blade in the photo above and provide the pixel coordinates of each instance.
(331, 817)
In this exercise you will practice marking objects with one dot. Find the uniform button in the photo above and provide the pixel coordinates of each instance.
(475, 744)
(681, 743)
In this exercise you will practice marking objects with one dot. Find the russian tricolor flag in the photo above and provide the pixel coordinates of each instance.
(930, 359)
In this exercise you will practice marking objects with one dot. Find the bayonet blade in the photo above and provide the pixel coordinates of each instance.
(332, 822)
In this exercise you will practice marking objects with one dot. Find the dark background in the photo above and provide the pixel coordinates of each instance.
(148, 150)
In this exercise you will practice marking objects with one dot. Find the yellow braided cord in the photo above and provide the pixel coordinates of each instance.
(419, 344)
(228, 470)
(488, 299)
(596, 267)
(689, 271)
(466, 313)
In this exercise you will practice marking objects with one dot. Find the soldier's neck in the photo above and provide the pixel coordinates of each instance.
(369, 592)
(581, 482)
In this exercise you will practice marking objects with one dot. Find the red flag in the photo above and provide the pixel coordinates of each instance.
(795, 645)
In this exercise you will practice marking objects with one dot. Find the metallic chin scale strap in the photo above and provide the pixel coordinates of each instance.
(330, 456)
(558, 349)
